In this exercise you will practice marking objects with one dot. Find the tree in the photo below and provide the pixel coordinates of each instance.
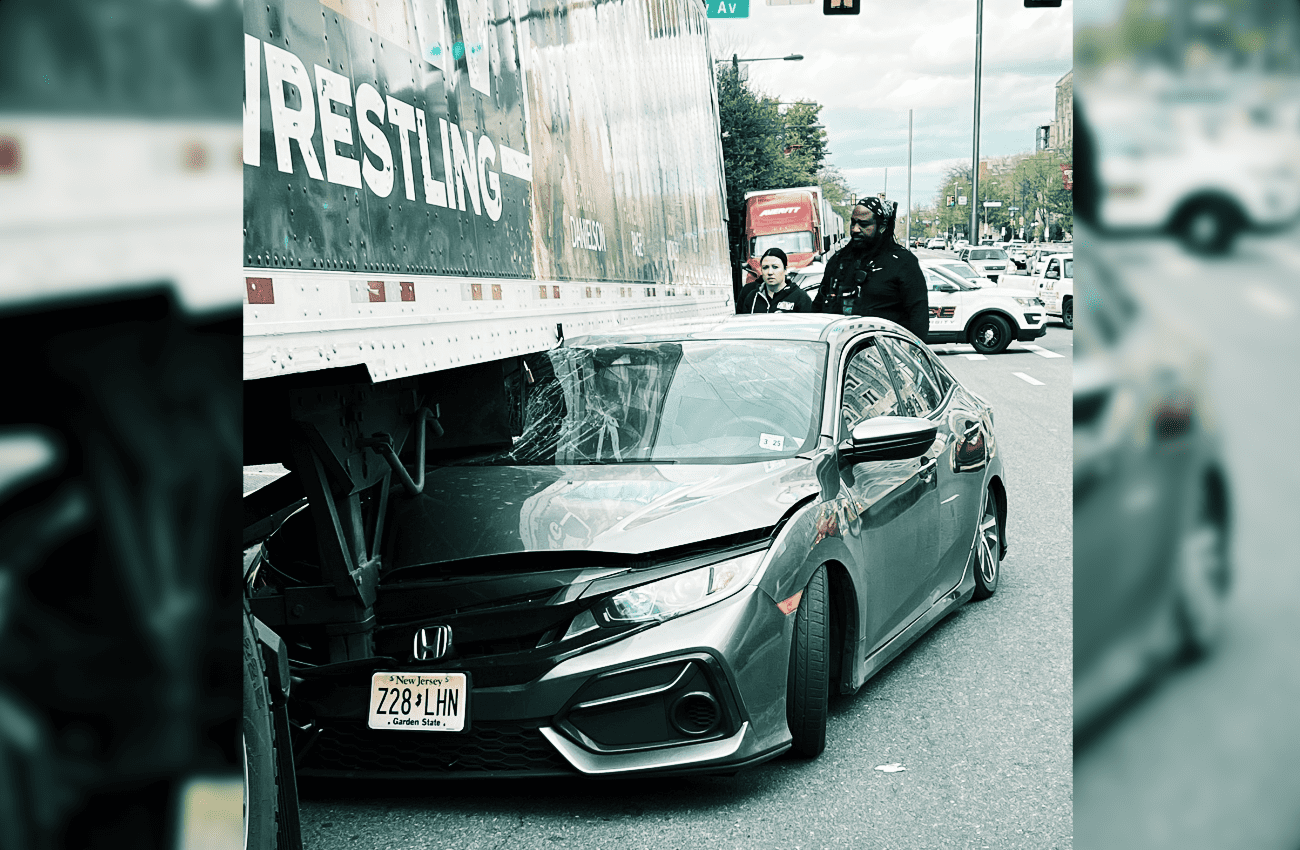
(763, 148)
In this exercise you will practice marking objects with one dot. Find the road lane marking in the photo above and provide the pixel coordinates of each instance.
(1270, 302)
(1022, 376)
(1043, 352)
(974, 357)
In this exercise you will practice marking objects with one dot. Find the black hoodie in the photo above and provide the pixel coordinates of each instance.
(881, 279)
(792, 299)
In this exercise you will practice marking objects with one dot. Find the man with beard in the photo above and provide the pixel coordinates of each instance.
(875, 276)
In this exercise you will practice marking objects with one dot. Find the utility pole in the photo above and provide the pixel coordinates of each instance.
(909, 179)
(975, 153)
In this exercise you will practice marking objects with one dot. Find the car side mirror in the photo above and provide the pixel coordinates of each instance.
(944, 287)
(1053, 274)
(888, 438)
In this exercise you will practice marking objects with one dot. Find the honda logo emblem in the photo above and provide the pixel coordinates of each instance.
(432, 643)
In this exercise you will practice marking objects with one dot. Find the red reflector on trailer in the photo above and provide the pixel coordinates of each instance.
(790, 604)
(11, 159)
(260, 290)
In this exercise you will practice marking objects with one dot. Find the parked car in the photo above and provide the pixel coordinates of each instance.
(1152, 517)
(935, 244)
(1017, 252)
(1038, 259)
(990, 262)
(1056, 287)
(699, 535)
(989, 318)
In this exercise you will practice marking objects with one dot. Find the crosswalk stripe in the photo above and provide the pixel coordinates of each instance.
(974, 357)
(1042, 352)
(1022, 376)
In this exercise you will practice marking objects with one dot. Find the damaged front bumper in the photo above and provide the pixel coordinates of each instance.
(701, 692)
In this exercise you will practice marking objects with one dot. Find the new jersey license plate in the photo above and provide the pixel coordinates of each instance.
(419, 702)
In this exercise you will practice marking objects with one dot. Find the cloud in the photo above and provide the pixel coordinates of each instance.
(869, 70)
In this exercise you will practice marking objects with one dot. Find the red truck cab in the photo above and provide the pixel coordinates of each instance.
(789, 219)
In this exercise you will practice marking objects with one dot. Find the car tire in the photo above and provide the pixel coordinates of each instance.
(988, 549)
(808, 689)
(1067, 313)
(990, 334)
(1208, 226)
(1204, 578)
(261, 779)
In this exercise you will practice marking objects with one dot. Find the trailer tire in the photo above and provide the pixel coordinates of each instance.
(261, 779)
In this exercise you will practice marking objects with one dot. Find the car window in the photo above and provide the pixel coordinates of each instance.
(1051, 265)
(1069, 267)
(918, 391)
(963, 270)
(868, 391)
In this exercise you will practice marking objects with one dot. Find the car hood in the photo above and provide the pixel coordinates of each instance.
(474, 512)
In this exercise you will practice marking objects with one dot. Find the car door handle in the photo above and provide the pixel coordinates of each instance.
(926, 472)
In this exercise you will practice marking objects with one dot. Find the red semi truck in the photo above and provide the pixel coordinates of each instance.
(798, 221)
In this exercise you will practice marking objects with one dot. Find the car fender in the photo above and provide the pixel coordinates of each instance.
(1015, 325)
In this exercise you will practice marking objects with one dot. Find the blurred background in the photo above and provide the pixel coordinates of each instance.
(1186, 583)
(120, 204)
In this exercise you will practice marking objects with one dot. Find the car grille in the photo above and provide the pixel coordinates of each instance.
(485, 748)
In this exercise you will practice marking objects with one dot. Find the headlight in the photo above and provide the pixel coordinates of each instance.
(680, 594)
(1028, 302)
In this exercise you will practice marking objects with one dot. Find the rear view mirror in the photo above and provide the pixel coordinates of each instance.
(888, 438)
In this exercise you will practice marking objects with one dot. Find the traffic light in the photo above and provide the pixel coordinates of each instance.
(848, 7)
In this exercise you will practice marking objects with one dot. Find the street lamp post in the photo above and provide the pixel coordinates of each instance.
(736, 60)
(975, 154)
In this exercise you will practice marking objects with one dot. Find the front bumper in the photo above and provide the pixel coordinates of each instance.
(1029, 332)
(702, 692)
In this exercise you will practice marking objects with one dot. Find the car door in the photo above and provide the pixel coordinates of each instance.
(896, 506)
(946, 314)
(1050, 295)
(962, 451)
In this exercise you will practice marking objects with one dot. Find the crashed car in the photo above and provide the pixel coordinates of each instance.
(699, 536)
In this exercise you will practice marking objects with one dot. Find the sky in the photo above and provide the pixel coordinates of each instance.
(868, 70)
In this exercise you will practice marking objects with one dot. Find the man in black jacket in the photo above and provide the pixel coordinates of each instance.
(875, 276)
(771, 293)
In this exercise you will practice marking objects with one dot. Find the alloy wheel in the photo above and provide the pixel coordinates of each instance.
(988, 550)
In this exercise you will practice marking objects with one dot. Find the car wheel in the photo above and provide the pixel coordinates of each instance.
(1209, 227)
(988, 549)
(1067, 313)
(261, 782)
(990, 334)
(1204, 576)
(808, 689)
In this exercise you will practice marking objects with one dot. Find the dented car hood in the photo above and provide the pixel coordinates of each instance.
(474, 512)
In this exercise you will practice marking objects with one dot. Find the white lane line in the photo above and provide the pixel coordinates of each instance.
(1028, 380)
(1041, 352)
(1270, 302)
(974, 357)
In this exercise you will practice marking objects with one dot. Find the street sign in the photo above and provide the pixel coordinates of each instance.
(992, 203)
(961, 201)
(1067, 174)
(728, 9)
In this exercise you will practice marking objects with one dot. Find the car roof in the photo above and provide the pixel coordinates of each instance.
(798, 327)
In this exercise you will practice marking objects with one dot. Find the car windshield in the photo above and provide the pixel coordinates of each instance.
(962, 270)
(694, 401)
(988, 254)
(792, 243)
(938, 274)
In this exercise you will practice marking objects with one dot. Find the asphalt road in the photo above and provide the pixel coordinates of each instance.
(978, 713)
(1209, 757)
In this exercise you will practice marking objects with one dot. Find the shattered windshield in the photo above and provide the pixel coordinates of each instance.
(725, 401)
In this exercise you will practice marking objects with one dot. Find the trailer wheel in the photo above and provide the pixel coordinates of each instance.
(261, 781)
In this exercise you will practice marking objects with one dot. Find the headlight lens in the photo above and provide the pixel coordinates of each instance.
(1029, 302)
(682, 593)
